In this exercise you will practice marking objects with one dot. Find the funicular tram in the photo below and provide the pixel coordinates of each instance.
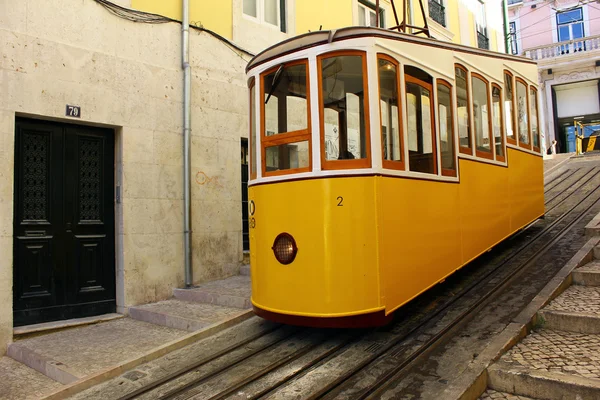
(380, 163)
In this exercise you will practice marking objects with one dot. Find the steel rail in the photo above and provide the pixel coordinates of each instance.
(443, 308)
(336, 349)
(182, 371)
(573, 171)
(389, 378)
(574, 190)
(383, 382)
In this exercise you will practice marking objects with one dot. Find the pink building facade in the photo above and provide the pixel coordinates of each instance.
(563, 36)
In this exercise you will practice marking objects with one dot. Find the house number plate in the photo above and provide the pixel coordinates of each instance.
(73, 111)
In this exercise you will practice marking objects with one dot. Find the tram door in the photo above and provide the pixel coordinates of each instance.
(245, 229)
(64, 250)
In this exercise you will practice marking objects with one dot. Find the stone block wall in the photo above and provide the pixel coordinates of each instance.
(127, 76)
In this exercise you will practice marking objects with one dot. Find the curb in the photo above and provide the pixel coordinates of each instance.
(116, 370)
(473, 381)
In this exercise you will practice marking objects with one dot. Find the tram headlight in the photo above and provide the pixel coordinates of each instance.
(284, 248)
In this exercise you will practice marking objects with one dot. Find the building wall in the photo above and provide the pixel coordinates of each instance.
(210, 15)
(127, 76)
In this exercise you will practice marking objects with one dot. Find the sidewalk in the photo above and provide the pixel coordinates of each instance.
(64, 362)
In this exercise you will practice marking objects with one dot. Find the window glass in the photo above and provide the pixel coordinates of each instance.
(481, 115)
(534, 117)
(446, 126)
(462, 108)
(388, 104)
(344, 113)
(286, 134)
(252, 130)
(421, 145)
(287, 156)
(497, 120)
(271, 13)
(250, 8)
(522, 113)
(286, 108)
(508, 106)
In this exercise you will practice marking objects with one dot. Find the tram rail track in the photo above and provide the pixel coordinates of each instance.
(308, 358)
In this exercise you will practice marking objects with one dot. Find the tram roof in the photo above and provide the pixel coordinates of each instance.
(317, 38)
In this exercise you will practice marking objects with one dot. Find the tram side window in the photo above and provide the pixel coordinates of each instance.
(462, 109)
(252, 130)
(481, 117)
(286, 119)
(343, 98)
(522, 120)
(509, 116)
(444, 94)
(391, 137)
(497, 121)
(419, 112)
(534, 118)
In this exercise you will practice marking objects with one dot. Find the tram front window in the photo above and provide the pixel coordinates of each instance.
(286, 119)
(343, 102)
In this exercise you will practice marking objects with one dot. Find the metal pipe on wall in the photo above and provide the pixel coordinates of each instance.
(185, 55)
(506, 29)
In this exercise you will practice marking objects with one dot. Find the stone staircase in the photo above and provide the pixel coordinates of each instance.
(560, 358)
(201, 306)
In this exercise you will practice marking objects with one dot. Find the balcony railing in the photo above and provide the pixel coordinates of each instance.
(511, 2)
(564, 49)
(437, 12)
(482, 41)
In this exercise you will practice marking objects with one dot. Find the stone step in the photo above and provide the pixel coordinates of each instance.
(588, 274)
(71, 355)
(183, 315)
(577, 309)
(550, 364)
(23, 383)
(245, 270)
(540, 384)
(231, 292)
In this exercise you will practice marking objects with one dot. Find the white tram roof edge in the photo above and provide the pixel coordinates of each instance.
(317, 38)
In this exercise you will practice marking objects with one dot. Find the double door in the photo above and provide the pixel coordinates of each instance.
(64, 251)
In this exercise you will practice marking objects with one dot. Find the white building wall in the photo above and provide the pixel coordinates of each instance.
(128, 76)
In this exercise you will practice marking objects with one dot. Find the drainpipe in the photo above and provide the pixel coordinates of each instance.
(185, 54)
(506, 30)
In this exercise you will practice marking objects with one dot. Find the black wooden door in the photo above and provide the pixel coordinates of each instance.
(64, 255)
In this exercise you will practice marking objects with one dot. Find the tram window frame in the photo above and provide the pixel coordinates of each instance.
(357, 163)
(284, 138)
(427, 86)
(252, 127)
(483, 153)
(513, 119)
(501, 158)
(392, 164)
(447, 171)
(521, 144)
(464, 149)
(533, 92)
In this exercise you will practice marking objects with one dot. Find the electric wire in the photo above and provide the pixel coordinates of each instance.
(151, 18)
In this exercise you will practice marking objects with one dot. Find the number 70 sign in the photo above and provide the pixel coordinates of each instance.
(73, 111)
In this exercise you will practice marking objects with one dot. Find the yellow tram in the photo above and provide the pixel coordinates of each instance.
(380, 163)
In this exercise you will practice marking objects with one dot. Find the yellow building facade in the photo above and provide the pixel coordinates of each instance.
(256, 24)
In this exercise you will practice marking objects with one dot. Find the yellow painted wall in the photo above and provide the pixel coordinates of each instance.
(216, 16)
(332, 14)
(453, 21)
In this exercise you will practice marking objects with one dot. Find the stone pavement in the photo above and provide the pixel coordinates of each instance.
(67, 361)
